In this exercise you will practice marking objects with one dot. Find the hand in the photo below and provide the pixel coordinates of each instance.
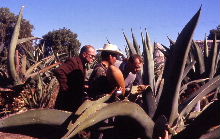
(166, 136)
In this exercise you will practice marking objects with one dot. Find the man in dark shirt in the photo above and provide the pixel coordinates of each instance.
(70, 76)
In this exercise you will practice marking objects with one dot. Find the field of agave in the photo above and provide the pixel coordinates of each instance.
(183, 97)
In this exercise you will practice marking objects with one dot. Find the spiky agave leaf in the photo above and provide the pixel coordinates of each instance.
(148, 68)
(135, 43)
(207, 119)
(191, 101)
(37, 123)
(199, 58)
(88, 103)
(27, 39)
(12, 49)
(88, 112)
(124, 108)
(188, 68)
(214, 55)
(130, 46)
(38, 116)
(174, 72)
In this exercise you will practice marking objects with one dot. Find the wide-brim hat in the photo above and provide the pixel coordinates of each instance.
(110, 48)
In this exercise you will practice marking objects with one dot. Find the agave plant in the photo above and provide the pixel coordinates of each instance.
(24, 67)
(160, 106)
(21, 76)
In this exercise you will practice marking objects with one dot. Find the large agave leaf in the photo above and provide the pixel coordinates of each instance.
(174, 73)
(95, 107)
(191, 101)
(149, 102)
(207, 119)
(148, 68)
(130, 46)
(39, 116)
(124, 108)
(43, 123)
(12, 49)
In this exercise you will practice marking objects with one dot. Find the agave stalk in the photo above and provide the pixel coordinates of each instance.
(12, 49)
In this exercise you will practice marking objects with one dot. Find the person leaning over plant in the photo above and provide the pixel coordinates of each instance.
(131, 69)
(105, 76)
(70, 76)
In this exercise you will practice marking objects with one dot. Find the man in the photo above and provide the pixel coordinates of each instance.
(131, 70)
(99, 83)
(70, 76)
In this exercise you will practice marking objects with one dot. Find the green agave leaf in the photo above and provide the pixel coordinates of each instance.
(135, 43)
(149, 102)
(213, 54)
(148, 68)
(27, 39)
(40, 86)
(214, 134)
(124, 108)
(95, 107)
(174, 72)
(200, 125)
(88, 103)
(188, 68)
(38, 116)
(12, 49)
(172, 43)
(42, 70)
(199, 57)
(160, 91)
(191, 101)
(130, 46)
(206, 48)
(166, 52)
(23, 64)
(184, 87)
(149, 45)
(45, 60)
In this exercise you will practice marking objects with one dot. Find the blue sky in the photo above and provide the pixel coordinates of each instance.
(96, 20)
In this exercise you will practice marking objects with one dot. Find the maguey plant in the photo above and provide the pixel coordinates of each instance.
(162, 108)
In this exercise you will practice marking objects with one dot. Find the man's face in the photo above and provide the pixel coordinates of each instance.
(136, 66)
(113, 58)
(90, 55)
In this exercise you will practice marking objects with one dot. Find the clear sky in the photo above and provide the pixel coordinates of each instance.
(96, 20)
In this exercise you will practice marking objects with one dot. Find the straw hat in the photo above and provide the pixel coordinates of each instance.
(110, 48)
